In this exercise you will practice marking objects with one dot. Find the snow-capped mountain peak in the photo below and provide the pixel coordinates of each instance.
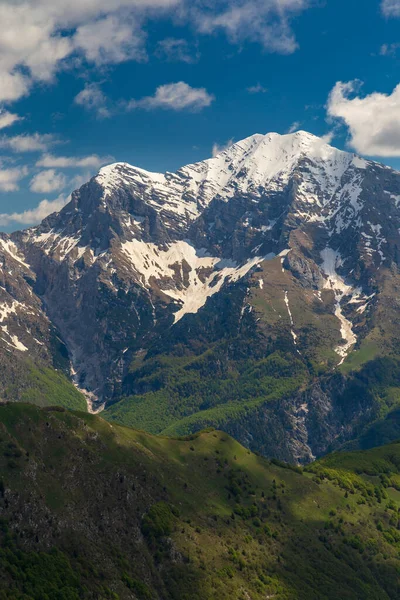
(245, 167)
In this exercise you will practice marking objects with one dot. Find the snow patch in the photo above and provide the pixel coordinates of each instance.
(331, 261)
(360, 163)
(15, 342)
(395, 198)
(183, 273)
(12, 250)
(291, 318)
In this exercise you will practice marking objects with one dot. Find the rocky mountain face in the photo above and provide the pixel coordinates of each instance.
(280, 246)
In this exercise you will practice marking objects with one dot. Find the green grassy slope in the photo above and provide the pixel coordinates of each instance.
(190, 395)
(94, 510)
(43, 386)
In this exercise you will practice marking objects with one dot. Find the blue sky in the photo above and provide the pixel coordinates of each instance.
(161, 83)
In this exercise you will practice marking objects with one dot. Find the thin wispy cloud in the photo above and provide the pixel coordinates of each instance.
(257, 89)
(36, 142)
(294, 127)
(92, 98)
(391, 8)
(266, 22)
(389, 49)
(73, 162)
(218, 148)
(7, 119)
(177, 50)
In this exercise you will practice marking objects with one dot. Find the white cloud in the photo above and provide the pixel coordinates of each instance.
(257, 89)
(294, 127)
(34, 215)
(47, 182)
(175, 96)
(266, 22)
(7, 119)
(389, 49)
(39, 36)
(10, 178)
(176, 50)
(328, 137)
(111, 40)
(79, 180)
(373, 120)
(217, 148)
(28, 143)
(391, 8)
(13, 85)
(70, 162)
(92, 98)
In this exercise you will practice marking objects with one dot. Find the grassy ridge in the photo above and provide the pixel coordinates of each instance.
(44, 386)
(93, 509)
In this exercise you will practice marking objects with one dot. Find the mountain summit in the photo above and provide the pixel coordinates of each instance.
(253, 163)
(279, 246)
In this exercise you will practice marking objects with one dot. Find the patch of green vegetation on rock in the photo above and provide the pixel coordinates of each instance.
(356, 359)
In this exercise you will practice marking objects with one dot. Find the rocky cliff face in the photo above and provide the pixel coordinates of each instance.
(305, 238)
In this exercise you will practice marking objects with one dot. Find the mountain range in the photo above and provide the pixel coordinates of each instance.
(256, 292)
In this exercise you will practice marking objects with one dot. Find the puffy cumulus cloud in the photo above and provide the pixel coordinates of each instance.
(175, 96)
(92, 161)
(373, 120)
(391, 8)
(93, 98)
(217, 148)
(263, 21)
(7, 119)
(36, 142)
(37, 35)
(10, 178)
(34, 215)
(47, 182)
